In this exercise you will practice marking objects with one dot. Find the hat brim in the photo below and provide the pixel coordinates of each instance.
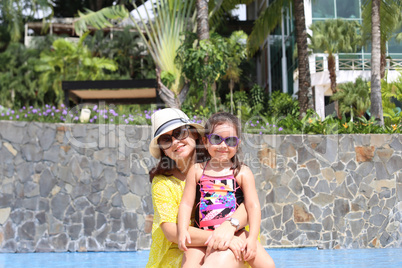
(154, 147)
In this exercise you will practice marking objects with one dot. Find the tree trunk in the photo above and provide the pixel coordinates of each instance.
(305, 93)
(203, 33)
(169, 98)
(332, 78)
(376, 100)
(383, 60)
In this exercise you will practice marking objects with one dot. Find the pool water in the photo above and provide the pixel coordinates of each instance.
(300, 258)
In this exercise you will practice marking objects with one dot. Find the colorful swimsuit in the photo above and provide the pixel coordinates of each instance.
(218, 199)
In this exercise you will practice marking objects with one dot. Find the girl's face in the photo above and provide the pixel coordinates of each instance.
(222, 152)
(181, 149)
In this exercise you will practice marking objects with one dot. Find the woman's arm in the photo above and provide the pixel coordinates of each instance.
(185, 209)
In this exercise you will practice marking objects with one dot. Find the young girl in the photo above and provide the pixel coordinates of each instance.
(219, 186)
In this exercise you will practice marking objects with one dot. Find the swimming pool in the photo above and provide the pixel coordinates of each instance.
(300, 258)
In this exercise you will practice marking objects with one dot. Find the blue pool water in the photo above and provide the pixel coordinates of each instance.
(300, 258)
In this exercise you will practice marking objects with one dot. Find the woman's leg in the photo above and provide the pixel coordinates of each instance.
(224, 258)
(262, 258)
(193, 257)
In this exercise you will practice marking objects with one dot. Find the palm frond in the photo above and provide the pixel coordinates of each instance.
(99, 19)
(266, 22)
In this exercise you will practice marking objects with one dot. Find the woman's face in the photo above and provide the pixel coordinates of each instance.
(181, 149)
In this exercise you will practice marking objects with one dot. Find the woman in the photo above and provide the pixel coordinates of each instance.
(176, 142)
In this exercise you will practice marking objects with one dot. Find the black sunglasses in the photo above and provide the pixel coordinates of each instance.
(215, 139)
(165, 141)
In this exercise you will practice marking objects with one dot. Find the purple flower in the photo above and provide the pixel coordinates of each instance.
(280, 129)
(40, 114)
(95, 117)
(2, 114)
(267, 124)
(95, 107)
(48, 110)
(25, 115)
(34, 111)
(57, 110)
(147, 116)
(260, 133)
(23, 108)
(258, 121)
(62, 105)
(8, 113)
(273, 125)
(111, 119)
(76, 118)
(52, 114)
(11, 118)
(91, 120)
(17, 116)
(30, 107)
(126, 121)
(64, 112)
(54, 108)
(252, 124)
(123, 115)
(105, 116)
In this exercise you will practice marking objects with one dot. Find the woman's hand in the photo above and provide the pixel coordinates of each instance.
(236, 247)
(183, 237)
(221, 237)
(249, 249)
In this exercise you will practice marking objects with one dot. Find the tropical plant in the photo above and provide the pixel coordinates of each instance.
(127, 49)
(389, 93)
(331, 37)
(353, 97)
(281, 105)
(267, 21)
(236, 53)
(257, 98)
(14, 13)
(18, 79)
(68, 61)
(197, 66)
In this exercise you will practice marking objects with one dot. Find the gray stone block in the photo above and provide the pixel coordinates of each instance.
(130, 221)
(47, 138)
(304, 155)
(32, 152)
(341, 207)
(46, 183)
(27, 231)
(377, 220)
(11, 132)
(59, 204)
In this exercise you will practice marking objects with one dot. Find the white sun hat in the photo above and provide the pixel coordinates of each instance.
(166, 120)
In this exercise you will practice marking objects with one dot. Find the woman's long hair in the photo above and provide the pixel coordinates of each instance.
(166, 165)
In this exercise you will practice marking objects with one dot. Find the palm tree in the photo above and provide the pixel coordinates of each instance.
(376, 100)
(331, 37)
(267, 21)
(390, 19)
(389, 8)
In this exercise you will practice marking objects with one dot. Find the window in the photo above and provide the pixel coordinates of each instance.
(323, 9)
(348, 9)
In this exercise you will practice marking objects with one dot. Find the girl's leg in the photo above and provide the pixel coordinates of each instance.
(262, 258)
(193, 257)
(222, 259)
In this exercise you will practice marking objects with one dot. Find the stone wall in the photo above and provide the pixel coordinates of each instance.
(85, 188)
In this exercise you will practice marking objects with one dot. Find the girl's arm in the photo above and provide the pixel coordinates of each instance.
(253, 209)
(185, 208)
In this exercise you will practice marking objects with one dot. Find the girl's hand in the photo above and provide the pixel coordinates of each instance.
(221, 237)
(249, 249)
(236, 246)
(182, 239)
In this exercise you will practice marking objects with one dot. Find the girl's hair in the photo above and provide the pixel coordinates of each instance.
(167, 165)
(220, 119)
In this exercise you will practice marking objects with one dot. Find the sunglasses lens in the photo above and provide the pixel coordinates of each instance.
(180, 133)
(165, 141)
(231, 141)
(215, 139)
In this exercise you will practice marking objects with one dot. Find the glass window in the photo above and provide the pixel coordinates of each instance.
(323, 9)
(394, 46)
(347, 9)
